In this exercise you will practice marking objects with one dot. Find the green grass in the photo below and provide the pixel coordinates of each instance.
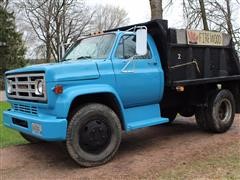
(8, 136)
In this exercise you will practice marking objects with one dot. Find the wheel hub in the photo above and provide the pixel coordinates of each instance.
(224, 111)
(94, 136)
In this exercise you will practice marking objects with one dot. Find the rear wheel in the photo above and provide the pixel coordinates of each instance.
(218, 116)
(94, 135)
(31, 139)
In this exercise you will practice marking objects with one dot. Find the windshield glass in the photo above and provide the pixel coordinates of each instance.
(97, 47)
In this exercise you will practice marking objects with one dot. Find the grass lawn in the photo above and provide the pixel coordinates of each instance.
(7, 136)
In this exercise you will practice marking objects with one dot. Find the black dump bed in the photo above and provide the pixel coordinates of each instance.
(193, 57)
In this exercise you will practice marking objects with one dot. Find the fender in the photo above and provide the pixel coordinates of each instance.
(65, 100)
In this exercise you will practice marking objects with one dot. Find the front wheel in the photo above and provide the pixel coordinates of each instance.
(219, 115)
(93, 135)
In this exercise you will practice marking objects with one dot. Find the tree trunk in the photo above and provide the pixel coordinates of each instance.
(228, 18)
(48, 46)
(156, 9)
(57, 39)
(48, 51)
(203, 14)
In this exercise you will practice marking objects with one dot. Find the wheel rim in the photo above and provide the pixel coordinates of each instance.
(94, 136)
(225, 110)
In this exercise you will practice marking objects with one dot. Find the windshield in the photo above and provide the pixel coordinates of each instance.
(97, 47)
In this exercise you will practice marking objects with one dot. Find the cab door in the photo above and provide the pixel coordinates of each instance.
(138, 80)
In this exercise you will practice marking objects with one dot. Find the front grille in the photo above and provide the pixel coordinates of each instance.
(25, 109)
(23, 86)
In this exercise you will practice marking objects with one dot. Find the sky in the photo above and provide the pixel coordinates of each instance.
(139, 10)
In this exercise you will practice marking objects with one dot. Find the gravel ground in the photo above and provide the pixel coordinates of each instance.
(149, 150)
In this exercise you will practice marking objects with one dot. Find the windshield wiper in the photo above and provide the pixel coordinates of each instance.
(81, 57)
(65, 60)
(84, 57)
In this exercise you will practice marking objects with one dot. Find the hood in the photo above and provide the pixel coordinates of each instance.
(63, 71)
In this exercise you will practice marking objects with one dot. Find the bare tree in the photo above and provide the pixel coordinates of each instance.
(108, 17)
(203, 14)
(195, 12)
(56, 22)
(156, 9)
(73, 20)
(223, 20)
(40, 16)
(4, 3)
(216, 15)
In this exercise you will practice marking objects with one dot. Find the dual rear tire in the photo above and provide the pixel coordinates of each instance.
(219, 113)
(216, 116)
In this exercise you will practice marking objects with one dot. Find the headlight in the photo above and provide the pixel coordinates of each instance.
(9, 86)
(39, 87)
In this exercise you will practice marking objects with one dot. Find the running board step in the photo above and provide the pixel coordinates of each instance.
(146, 123)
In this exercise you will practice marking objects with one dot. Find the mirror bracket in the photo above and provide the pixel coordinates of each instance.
(124, 69)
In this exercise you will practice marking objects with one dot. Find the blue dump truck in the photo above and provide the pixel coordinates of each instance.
(125, 79)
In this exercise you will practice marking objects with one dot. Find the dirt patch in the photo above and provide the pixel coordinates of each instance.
(149, 150)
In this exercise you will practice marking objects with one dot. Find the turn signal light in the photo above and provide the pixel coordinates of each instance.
(58, 89)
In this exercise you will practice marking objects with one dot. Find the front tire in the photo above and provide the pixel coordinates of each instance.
(93, 135)
(219, 115)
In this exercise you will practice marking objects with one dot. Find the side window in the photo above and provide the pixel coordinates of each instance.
(127, 48)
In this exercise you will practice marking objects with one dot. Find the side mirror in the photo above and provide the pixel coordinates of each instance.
(141, 42)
